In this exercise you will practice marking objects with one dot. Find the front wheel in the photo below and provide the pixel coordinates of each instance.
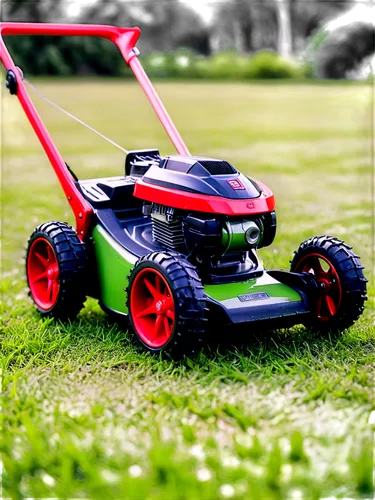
(166, 304)
(56, 269)
(341, 292)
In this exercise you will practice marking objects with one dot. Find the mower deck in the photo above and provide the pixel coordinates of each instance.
(257, 300)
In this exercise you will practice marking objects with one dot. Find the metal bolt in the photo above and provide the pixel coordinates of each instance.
(69, 198)
(80, 215)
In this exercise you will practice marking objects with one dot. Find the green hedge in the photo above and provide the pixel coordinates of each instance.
(64, 56)
(222, 66)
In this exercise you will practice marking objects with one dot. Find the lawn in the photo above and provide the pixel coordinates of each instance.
(85, 414)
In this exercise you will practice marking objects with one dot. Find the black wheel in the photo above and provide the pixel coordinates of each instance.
(56, 269)
(341, 291)
(166, 304)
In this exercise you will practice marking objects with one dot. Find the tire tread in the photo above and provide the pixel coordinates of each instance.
(350, 271)
(73, 263)
(188, 337)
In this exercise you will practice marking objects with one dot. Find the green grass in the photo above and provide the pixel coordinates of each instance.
(85, 414)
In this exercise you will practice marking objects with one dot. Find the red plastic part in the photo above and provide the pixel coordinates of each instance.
(152, 308)
(158, 106)
(43, 273)
(125, 39)
(330, 296)
(206, 203)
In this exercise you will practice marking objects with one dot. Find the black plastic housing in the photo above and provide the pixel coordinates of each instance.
(193, 174)
(201, 233)
(138, 162)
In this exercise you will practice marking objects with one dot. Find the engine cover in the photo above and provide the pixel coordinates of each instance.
(201, 176)
(203, 185)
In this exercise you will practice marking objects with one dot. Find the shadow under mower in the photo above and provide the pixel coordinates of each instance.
(171, 245)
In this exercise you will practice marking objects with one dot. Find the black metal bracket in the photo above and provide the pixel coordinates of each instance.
(302, 282)
(11, 81)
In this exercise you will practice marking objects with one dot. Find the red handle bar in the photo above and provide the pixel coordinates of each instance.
(125, 39)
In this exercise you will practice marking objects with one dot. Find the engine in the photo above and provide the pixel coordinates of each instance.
(219, 246)
(207, 210)
(204, 234)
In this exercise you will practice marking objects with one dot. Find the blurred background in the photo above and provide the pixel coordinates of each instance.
(216, 39)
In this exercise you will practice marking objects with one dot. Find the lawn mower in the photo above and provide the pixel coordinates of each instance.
(171, 244)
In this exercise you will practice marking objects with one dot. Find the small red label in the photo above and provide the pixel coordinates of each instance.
(236, 184)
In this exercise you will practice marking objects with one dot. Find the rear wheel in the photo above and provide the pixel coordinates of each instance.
(166, 304)
(341, 292)
(56, 266)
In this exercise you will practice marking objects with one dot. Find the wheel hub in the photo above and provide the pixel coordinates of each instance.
(43, 273)
(152, 307)
(52, 272)
(329, 296)
(324, 285)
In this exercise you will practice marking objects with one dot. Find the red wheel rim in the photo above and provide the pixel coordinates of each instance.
(43, 273)
(152, 308)
(330, 292)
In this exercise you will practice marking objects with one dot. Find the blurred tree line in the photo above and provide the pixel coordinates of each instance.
(244, 26)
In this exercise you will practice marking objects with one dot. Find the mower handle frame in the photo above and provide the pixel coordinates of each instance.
(125, 39)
